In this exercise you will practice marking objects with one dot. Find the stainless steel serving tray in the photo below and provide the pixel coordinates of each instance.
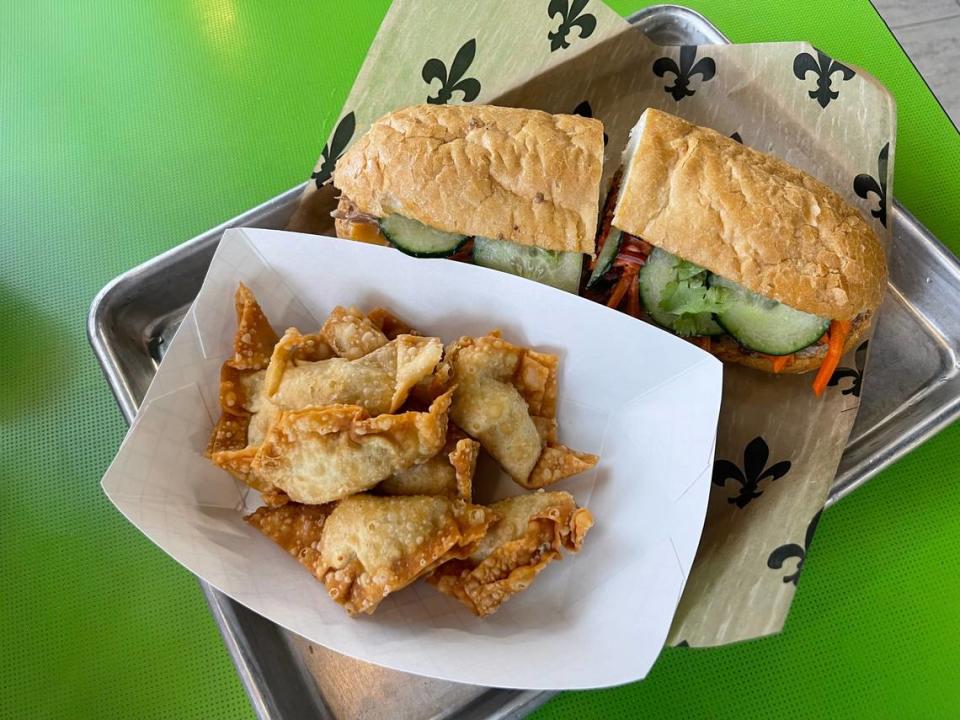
(911, 392)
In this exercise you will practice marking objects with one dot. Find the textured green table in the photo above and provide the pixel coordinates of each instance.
(127, 127)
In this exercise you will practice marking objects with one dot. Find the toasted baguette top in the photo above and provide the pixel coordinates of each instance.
(520, 175)
(749, 217)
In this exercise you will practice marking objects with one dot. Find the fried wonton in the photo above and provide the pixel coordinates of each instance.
(240, 379)
(448, 474)
(379, 381)
(297, 529)
(322, 454)
(352, 334)
(372, 546)
(389, 324)
(528, 535)
(506, 397)
(253, 344)
(245, 411)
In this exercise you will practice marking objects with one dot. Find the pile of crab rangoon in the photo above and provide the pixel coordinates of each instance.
(362, 438)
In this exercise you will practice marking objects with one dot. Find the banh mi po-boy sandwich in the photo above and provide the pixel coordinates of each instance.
(755, 260)
(510, 189)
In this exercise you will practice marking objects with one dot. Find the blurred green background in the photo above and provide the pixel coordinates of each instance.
(128, 127)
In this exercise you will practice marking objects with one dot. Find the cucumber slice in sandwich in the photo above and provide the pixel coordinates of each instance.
(415, 238)
(559, 269)
(606, 257)
(765, 325)
(675, 294)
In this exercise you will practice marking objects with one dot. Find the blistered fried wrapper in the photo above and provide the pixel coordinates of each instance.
(778, 446)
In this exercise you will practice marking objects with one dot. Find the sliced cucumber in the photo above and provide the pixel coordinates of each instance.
(559, 269)
(608, 254)
(419, 240)
(660, 270)
(765, 325)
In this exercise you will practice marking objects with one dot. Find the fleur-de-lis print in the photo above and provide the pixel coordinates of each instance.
(705, 67)
(864, 184)
(332, 152)
(584, 110)
(783, 553)
(682, 643)
(435, 69)
(571, 16)
(754, 472)
(736, 136)
(824, 66)
(859, 359)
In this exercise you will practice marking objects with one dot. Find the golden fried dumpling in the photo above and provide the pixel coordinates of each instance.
(528, 535)
(449, 473)
(253, 344)
(245, 411)
(506, 398)
(373, 545)
(352, 334)
(379, 381)
(322, 454)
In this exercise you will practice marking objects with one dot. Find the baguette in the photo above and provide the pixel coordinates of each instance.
(749, 217)
(505, 173)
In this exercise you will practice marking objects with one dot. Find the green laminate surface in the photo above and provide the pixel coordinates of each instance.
(127, 127)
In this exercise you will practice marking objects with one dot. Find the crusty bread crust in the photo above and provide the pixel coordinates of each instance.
(727, 349)
(749, 217)
(520, 175)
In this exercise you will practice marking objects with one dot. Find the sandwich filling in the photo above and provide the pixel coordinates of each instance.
(559, 269)
(713, 312)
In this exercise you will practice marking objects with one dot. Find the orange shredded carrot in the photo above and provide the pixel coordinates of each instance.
(839, 329)
(628, 277)
(780, 362)
(633, 299)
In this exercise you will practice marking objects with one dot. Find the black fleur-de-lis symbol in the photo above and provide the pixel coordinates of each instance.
(332, 152)
(824, 66)
(736, 136)
(435, 69)
(754, 471)
(705, 67)
(859, 359)
(584, 110)
(783, 553)
(570, 18)
(864, 184)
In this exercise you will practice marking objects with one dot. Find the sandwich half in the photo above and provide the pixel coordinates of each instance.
(755, 260)
(516, 190)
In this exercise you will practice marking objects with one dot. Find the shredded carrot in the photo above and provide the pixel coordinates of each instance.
(628, 277)
(780, 362)
(633, 299)
(839, 329)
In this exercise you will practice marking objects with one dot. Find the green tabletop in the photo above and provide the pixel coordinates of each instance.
(127, 127)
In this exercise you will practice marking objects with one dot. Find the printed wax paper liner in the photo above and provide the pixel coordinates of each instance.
(778, 446)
